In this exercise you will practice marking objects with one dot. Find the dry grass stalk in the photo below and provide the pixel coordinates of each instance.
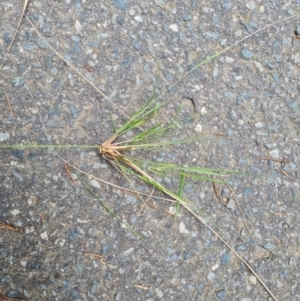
(9, 227)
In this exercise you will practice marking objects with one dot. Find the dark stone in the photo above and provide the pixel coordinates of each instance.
(75, 113)
(6, 38)
(18, 153)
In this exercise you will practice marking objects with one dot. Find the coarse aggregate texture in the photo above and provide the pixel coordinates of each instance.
(129, 49)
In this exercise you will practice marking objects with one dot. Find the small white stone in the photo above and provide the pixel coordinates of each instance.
(15, 212)
(172, 210)
(215, 267)
(174, 27)
(82, 221)
(78, 26)
(4, 136)
(259, 125)
(95, 183)
(253, 279)
(198, 128)
(183, 229)
(23, 263)
(229, 59)
(259, 66)
(239, 33)
(203, 111)
(44, 235)
(130, 250)
(241, 122)
(159, 294)
(262, 9)
(138, 18)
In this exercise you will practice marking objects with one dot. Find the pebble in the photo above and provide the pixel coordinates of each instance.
(13, 294)
(241, 248)
(287, 41)
(3, 253)
(72, 234)
(29, 47)
(95, 183)
(131, 200)
(225, 259)
(253, 279)
(174, 27)
(231, 204)
(75, 113)
(78, 26)
(259, 66)
(289, 167)
(4, 136)
(274, 154)
(221, 294)
(251, 5)
(120, 4)
(53, 71)
(18, 81)
(269, 246)
(259, 125)
(212, 36)
(247, 54)
(18, 153)
(183, 229)
(198, 128)
(203, 111)
(297, 31)
(6, 38)
(138, 18)
(6, 279)
(160, 3)
(75, 39)
(17, 175)
(42, 43)
(187, 255)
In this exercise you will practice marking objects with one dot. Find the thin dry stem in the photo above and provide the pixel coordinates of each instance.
(9, 106)
(286, 174)
(13, 39)
(9, 227)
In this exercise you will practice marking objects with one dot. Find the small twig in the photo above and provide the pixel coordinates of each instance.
(145, 288)
(10, 109)
(276, 160)
(3, 297)
(146, 201)
(96, 256)
(212, 133)
(285, 173)
(9, 227)
(215, 189)
(13, 39)
(69, 173)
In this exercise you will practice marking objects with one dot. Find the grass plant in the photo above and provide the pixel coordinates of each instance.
(116, 148)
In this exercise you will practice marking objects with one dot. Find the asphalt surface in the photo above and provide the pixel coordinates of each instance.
(130, 50)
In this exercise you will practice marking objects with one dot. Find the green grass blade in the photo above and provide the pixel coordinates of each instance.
(48, 146)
